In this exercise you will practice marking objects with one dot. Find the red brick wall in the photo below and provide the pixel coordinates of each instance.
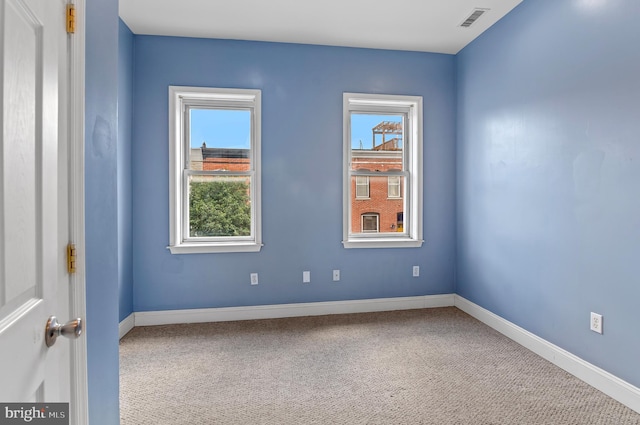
(378, 201)
(229, 164)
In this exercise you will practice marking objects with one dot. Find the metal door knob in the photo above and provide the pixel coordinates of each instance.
(71, 329)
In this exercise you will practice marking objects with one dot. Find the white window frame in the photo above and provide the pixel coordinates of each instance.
(181, 99)
(411, 107)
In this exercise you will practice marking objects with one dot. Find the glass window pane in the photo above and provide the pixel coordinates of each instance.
(219, 206)
(376, 142)
(370, 223)
(394, 187)
(362, 187)
(220, 139)
(388, 209)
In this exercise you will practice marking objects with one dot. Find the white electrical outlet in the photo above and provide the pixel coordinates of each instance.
(596, 322)
(306, 277)
(416, 271)
(336, 275)
(254, 278)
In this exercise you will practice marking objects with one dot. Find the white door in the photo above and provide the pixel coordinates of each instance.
(33, 200)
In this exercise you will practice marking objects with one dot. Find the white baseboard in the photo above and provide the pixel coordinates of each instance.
(127, 324)
(614, 387)
(148, 318)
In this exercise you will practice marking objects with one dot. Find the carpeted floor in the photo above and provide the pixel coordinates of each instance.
(432, 366)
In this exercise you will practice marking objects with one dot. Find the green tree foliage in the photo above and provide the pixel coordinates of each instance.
(219, 208)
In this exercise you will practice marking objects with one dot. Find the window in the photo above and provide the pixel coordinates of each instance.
(214, 138)
(382, 202)
(393, 186)
(370, 223)
(362, 187)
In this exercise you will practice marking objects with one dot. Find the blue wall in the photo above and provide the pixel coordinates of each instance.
(101, 213)
(302, 90)
(125, 119)
(548, 175)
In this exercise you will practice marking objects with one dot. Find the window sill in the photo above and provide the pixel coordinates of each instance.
(383, 243)
(201, 248)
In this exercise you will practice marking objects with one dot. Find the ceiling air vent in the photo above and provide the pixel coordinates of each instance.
(473, 17)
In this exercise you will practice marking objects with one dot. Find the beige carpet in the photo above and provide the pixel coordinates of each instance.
(432, 366)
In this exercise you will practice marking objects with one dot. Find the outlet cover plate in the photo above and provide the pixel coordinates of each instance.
(416, 271)
(254, 278)
(336, 275)
(596, 322)
(306, 277)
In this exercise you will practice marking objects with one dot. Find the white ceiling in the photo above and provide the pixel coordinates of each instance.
(419, 25)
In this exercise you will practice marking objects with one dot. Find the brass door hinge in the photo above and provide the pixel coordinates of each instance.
(71, 258)
(71, 19)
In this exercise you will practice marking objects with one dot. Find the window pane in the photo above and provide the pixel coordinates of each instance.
(394, 187)
(362, 187)
(369, 223)
(389, 210)
(220, 139)
(376, 142)
(219, 206)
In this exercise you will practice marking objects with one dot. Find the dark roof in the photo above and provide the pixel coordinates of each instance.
(224, 153)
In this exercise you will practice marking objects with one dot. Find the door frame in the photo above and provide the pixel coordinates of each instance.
(79, 406)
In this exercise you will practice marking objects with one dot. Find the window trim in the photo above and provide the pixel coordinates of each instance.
(413, 147)
(182, 98)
